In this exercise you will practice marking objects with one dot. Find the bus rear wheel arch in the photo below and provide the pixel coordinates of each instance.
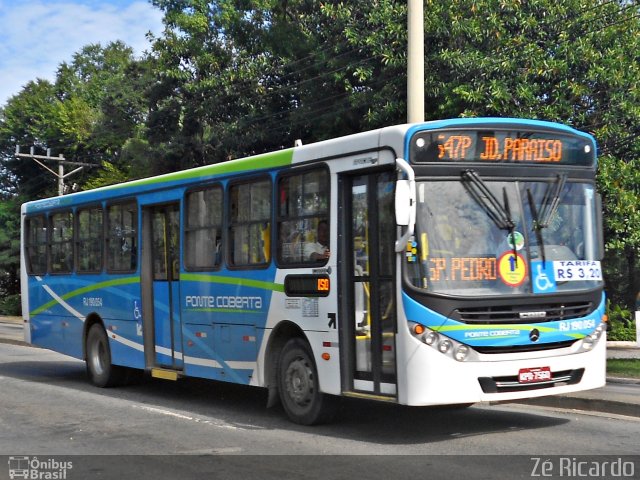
(298, 386)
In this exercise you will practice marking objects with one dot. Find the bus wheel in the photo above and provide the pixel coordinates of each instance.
(101, 372)
(298, 386)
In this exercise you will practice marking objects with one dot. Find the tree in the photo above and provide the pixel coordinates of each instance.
(244, 77)
(26, 120)
(104, 88)
(619, 183)
(9, 255)
(95, 109)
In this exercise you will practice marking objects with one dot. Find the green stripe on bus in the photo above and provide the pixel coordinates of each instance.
(258, 162)
(451, 328)
(244, 282)
(90, 288)
(576, 335)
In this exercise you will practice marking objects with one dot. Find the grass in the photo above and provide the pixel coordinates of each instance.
(623, 367)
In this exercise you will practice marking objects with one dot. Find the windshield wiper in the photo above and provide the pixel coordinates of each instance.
(499, 213)
(550, 203)
(537, 227)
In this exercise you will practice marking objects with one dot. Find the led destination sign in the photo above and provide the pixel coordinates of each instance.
(501, 147)
(307, 285)
(467, 271)
(462, 269)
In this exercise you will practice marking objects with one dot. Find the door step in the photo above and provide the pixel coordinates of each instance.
(370, 396)
(165, 374)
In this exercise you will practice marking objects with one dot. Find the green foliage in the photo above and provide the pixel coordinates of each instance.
(10, 305)
(623, 367)
(27, 120)
(108, 175)
(619, 183)
(95, 106)
(622, 324)
(9, 250)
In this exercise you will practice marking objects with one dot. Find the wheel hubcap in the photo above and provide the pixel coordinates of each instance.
(300, 382)
(97, 357)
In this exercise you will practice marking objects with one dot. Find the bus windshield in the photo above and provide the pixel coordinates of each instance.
(479, 237)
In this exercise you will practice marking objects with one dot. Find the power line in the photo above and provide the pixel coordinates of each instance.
(60, 160)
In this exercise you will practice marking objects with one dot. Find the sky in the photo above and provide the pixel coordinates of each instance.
(36, 36)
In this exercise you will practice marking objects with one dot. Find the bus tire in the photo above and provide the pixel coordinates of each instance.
(99, 367)
(298, 386)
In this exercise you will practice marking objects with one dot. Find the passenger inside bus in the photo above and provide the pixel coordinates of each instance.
(319, 249)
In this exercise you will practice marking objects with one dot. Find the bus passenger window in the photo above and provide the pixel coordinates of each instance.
(61, 242)
(36, 245)
(250, 223)
(90, 238)
(303, 218)
(203, 229)
(122, 235)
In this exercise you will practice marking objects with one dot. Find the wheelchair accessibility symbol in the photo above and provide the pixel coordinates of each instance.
(543, 277)
(137, 315)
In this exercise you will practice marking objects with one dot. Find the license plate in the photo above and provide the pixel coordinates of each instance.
(532, 375)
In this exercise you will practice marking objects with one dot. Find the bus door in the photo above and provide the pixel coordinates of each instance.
(161, 285)
(368, 302)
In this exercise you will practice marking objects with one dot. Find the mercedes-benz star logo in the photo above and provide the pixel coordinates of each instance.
(534, 335)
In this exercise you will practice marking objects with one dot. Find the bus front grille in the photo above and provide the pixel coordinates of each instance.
(533, 347)
(522, 313)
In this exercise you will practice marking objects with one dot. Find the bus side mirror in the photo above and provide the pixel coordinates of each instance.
(405, 203)
(403, 200)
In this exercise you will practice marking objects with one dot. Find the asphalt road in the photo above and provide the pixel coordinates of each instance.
(198, 429)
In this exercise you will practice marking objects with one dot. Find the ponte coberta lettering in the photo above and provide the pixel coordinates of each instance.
(223, 301)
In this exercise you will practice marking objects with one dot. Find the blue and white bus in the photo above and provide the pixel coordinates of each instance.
(447, 262)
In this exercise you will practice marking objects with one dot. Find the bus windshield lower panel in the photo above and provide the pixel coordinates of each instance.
(477, 237)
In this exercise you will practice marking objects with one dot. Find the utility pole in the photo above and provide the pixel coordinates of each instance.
(60, 175)
(415, 61)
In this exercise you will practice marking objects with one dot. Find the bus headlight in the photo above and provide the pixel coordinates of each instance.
(588, 342)
(461, 353)
(430, 337)
(599, 331)
(444, 346)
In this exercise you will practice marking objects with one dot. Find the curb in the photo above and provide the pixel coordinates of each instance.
(586, 404)
(11, 341)
(618, 344)
(11, 320)
(624, 380)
